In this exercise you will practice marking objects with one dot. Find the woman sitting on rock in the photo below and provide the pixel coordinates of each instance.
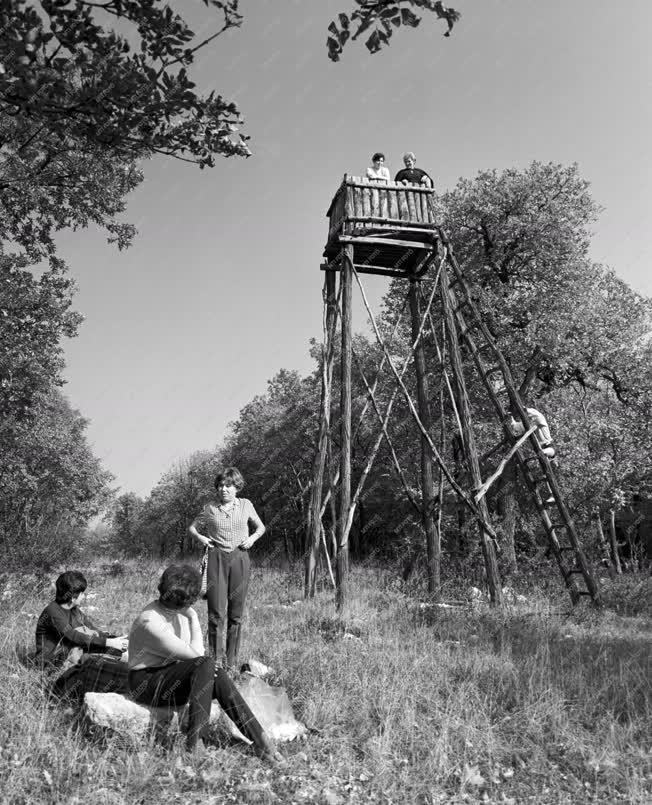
(168, 668)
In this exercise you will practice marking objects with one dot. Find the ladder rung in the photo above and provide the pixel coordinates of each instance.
(585, 592)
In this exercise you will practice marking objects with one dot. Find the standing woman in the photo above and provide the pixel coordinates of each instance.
(228, 528)
(378, 171)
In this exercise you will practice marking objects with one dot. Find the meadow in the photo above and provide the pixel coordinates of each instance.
(406, 702)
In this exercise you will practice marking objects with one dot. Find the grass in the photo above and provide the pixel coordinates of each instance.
(408, 703)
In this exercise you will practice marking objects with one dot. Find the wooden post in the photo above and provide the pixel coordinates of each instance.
(470, 448)
(423, 402)
(342, 563)
(314, 526)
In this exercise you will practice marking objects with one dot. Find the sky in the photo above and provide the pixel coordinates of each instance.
(222, 286)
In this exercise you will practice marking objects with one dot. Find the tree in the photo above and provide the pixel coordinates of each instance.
(35, 315)
(563, 323)
(125, 530)
(271, 444)
(51, 484)
(158, 525)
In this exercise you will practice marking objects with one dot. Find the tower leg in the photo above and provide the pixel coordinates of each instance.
(427, 481)
(342, 565)
(313, 524)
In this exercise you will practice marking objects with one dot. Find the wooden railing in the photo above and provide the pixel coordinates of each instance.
(361, 203)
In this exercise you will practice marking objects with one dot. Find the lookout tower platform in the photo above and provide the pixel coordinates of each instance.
(390, 226)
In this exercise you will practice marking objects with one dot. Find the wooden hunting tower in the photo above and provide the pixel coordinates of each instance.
(390, 229)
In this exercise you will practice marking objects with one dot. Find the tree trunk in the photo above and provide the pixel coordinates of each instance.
(602, 542)
(458, 474)
(507, 509)
(427, 480)
(614, 542)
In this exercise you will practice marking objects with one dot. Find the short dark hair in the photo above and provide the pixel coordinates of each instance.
(230, 475)
(68, 586)
(377, 155)
(179, 586)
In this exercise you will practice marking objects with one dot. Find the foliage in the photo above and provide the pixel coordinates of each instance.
(115, 73)
(125, 523)
(51, 484)
(86, 91)
(271, 443)
(382, 17)
(158, 525)
(35, 315)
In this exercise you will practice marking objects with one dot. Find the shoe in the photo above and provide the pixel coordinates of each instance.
(267, 750)
(549, 500)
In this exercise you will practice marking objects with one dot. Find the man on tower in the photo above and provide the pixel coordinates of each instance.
(411, 174)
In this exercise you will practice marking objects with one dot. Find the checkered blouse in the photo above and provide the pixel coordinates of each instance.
(228, 529)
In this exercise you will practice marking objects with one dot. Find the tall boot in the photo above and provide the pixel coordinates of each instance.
(233, 634)
(215, 648)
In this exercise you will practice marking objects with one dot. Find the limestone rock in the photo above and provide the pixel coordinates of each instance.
(116, 712)
(270, 705)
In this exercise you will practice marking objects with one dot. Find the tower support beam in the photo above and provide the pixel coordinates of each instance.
(342, 563)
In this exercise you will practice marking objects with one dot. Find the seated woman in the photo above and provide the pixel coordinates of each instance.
(168, 668)
(64, 632)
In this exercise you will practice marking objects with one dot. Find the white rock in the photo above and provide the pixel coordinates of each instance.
(270, 705)
(118, 713)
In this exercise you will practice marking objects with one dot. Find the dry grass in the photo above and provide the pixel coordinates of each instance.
(408, 703)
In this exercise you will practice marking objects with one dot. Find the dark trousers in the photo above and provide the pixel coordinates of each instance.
(228, 581)
(196, 682)
(94, 673)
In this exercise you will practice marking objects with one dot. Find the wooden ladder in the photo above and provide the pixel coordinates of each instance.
(535, 467)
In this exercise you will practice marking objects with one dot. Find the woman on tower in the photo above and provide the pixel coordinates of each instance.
(378, 171)
(228, 528)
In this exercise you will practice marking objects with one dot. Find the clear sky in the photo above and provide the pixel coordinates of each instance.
(222, 287)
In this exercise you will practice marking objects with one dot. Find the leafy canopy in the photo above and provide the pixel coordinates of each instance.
(130, 93)
(379, 19)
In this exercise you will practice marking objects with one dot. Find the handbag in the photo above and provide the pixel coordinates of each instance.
(204, 573)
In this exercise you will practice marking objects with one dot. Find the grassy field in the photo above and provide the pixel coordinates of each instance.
(407, 703)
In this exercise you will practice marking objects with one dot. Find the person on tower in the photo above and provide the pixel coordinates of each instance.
(411, 174)
(377, 171)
